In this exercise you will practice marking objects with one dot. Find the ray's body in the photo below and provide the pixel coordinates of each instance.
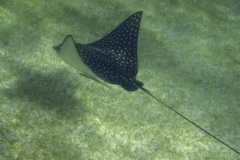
(114, 60)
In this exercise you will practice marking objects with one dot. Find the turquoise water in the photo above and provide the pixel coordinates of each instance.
(188, 57)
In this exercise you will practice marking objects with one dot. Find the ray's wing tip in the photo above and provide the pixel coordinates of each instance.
(58, 47)
(55, 47)
(139, 12)
(68, 36)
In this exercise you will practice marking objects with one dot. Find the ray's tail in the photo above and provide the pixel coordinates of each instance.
(190, 121)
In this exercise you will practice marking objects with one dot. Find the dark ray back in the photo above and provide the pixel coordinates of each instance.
(114, 57)
(122, 44)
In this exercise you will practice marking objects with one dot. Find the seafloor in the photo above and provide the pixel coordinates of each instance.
(188, 57)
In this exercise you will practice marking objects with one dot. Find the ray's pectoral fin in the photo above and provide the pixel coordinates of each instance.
(68, 53)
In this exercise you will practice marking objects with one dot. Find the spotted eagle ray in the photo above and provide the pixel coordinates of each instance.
(113, 59)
